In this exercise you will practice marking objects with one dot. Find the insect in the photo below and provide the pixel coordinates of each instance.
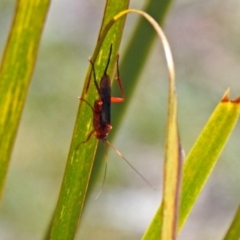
(102, 111)
(102, 107)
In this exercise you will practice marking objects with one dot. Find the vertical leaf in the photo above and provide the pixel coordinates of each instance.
(206, 151)
(80, 159)
(16, 71)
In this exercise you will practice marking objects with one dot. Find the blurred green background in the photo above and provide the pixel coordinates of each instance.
(204, 37)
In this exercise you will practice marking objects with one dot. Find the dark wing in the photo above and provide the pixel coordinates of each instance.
(105, 95)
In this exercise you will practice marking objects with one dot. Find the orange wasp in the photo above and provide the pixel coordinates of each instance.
(102, 111)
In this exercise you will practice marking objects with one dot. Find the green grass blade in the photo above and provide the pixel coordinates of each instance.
(201, 160)
(171, 187)
(16, 71)
(205, 153)
(233, 232)
(80, 159)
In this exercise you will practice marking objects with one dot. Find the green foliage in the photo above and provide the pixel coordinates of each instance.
(16, 71)
(15, 75)
(201, 160)
(205, 153)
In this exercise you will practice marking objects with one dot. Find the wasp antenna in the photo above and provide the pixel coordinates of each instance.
(135, 170)
(94, 76)
(105, 173)
(109, 57)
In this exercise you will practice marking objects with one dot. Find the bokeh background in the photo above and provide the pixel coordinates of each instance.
(204, 36)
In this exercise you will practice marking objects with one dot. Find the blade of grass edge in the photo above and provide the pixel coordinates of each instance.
(233, 232)
(80, 159)
(16, 71)
(201, 160)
